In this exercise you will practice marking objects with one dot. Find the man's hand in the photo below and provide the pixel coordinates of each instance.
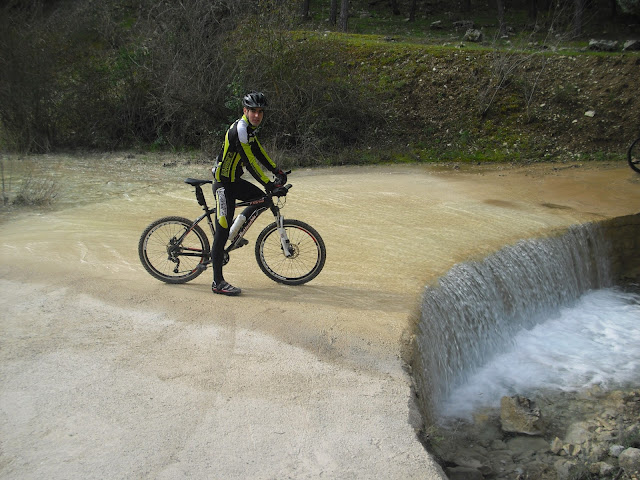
(279, 191)
(281, 178)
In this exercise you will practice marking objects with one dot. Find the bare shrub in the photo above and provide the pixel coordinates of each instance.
(313, 108)
(36, 192)
(190, 70)
(27, 188)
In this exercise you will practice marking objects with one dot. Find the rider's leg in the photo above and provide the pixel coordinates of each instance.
(225, 207)
(245, 190)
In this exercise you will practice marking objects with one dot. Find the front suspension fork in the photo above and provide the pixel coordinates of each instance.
(284, 240)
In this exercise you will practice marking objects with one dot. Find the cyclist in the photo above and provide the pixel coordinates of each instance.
(241, 149)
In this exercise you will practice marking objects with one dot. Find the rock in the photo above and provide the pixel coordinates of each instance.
(463, 473)
(603, 45)
(602, 469)
(597, 453)
(590, 113)
(464, 24)
(437, 25)
(572, 449)
(473, 35)
(564, 468)
(616, 450)
(577, 433)
(476, 462)
(521, 446)
(520, 415)
(556, 445)
(631, 45)
(629, 460)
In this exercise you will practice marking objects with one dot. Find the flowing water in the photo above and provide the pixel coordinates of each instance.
(538, 315)
(106, 372)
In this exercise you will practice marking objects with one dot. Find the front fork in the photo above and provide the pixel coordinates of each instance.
(284, 240)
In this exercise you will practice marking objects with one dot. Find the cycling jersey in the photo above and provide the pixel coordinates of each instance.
(241, 147)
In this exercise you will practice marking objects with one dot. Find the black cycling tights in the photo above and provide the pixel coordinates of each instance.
(226, 195)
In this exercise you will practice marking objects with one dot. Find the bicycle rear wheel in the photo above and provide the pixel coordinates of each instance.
(633, 155)
(168, 259)
(307, 261)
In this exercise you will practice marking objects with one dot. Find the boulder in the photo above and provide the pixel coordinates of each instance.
(464, 24)
(603, 45)
(630, 45)
(520, 415)
(463, 473)
(578, 433)
(473, 35)
(616, 450)
(629, 460)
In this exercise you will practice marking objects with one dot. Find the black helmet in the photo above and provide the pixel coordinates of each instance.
(254, 100)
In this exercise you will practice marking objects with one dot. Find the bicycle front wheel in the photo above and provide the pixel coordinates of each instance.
(170, 255)
(306, 245)
(634, 155)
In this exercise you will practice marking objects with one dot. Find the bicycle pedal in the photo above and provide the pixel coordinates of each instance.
(242, 242)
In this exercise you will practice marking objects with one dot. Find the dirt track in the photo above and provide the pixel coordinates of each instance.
(108, 373)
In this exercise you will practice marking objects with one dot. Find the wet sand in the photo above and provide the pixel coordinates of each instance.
(108, 373)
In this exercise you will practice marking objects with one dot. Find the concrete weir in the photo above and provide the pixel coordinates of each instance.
(106, 372)
(476, 310)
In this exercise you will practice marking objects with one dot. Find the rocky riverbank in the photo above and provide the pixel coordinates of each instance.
(566, 436)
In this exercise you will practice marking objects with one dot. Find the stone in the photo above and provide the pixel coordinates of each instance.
(603, 45)
(519, 445)
(556, 445)
(630, 45)
(577, 433)
(564, 468)
(520, 415)
(464, 24)
(572, 449)
(473, 35)
(616, 450)
(629, 460)
(602, 469)
(463, 473)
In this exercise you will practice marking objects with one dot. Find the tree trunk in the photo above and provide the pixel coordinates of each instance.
(533, 11)
(394, 7)
(333, 12)
(305, 9)
(500, 4)
(344, 15)
(413, 9)
(577, 17)
(466, 5)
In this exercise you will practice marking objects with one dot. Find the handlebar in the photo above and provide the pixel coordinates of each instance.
(281, 191)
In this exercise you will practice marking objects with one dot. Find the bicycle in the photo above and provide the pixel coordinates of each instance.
(633, 155)
(176, 250)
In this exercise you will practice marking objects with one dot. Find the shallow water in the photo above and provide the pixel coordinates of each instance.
(90, 178)
(279, 382)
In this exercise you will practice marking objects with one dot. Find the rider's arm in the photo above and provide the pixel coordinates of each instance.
(253, 155)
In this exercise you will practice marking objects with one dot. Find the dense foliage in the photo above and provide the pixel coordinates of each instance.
(166, 74)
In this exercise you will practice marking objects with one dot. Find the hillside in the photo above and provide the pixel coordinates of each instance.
(462, 103)
(165, 78)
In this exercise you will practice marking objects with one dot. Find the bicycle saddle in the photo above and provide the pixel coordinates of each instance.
(196, 183)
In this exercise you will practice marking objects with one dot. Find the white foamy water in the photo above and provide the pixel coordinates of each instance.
(595, 341)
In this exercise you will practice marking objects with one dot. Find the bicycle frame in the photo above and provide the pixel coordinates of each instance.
(258, 206)
(262, 205)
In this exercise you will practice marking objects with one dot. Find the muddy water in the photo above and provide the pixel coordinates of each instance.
(107, 372)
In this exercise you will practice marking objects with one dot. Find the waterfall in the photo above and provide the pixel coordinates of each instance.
(477, 308)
